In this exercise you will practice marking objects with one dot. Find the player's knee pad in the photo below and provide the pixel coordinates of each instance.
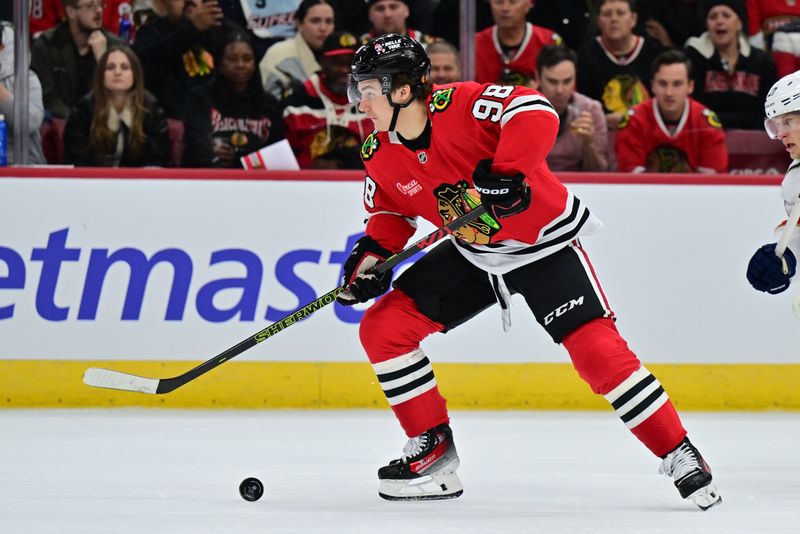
(600, 355)
(394, 326)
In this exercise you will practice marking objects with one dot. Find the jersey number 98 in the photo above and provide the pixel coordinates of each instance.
(483, 108)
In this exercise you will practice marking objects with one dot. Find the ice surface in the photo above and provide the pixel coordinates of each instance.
(158, 471)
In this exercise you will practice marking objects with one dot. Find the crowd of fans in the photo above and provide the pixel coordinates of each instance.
(662, 79)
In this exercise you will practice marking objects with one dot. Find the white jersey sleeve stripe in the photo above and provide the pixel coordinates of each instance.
(526, 103)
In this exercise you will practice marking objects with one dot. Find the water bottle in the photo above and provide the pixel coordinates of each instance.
(125, 23)
(3, 142)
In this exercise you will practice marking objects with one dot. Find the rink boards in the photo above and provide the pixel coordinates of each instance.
(150, 272)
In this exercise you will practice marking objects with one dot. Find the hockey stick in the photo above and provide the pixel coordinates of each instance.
(783, 243)
(106, 378)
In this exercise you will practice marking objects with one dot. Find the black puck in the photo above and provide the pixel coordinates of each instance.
(251, 489)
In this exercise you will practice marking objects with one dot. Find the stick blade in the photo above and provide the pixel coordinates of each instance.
(106, 378)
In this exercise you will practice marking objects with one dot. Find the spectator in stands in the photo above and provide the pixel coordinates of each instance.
(294, 60)
(64, 57)
(582, 139)
(390, 16)
(573, 20)
(672, 23)
(266, 22)
(672, 132)
(118, 124)
(445, 66)
(233, 116)
(325, 129)
(35, 107)
(177, 50)
(731, 77)
(506, 52)
(764, 17)
(614, 68)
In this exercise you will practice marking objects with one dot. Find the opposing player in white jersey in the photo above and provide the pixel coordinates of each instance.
(767, 271)
(437, 153)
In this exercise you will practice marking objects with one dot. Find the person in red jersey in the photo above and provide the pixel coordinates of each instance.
(672, 132)
(506, 52)
(436, 153)
(324, 128)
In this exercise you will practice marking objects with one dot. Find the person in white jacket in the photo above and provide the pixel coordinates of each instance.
(35, 105)
(768, 271)
(295, 59)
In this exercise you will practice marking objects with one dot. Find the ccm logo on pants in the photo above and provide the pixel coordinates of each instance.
(564, 308)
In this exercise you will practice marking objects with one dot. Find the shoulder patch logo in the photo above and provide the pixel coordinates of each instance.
(370, 146)
(712, 118)
(441, 99)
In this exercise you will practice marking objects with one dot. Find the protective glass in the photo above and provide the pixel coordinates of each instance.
(783, 123)
(354, 94)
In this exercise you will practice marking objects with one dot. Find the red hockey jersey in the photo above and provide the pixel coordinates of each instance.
(769, 15)
(493, 66)
(645, 143)
(515, 127)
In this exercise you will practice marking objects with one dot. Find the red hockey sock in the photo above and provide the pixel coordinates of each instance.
(391, 331)
(602, 358)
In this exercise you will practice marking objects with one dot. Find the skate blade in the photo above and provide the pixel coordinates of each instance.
(706, 497)
(427, 488)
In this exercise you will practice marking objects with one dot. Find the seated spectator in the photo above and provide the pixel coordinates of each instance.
(64, 58)
(266, 22)
(731, 77)
(233, 116)
(177, 51)
(390, 16)
(118, 124)
(444, 60)
(572, 20)
(46, 14)
(325, 129)
(672, 23)
(582, 139)
(672, 132)
(506, 52)
(35, 107)
(764, 17)
(294, 60)
(614, 68)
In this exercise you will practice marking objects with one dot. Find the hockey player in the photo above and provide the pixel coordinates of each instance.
(766, 271)
(436, 153)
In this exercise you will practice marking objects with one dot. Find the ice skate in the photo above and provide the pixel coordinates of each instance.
(425, 471)
(692, 475)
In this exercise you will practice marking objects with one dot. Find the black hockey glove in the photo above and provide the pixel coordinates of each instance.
(361, 284)
(502, 195)
(765, 270)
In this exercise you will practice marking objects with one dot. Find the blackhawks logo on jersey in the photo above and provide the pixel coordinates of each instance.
(712, 118)
(441, 99)
(666, 158)
(454, 200)
(370, 146)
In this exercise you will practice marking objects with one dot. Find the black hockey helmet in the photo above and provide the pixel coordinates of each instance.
(386, 56)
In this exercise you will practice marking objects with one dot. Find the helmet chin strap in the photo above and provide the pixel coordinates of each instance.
(397, 107)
